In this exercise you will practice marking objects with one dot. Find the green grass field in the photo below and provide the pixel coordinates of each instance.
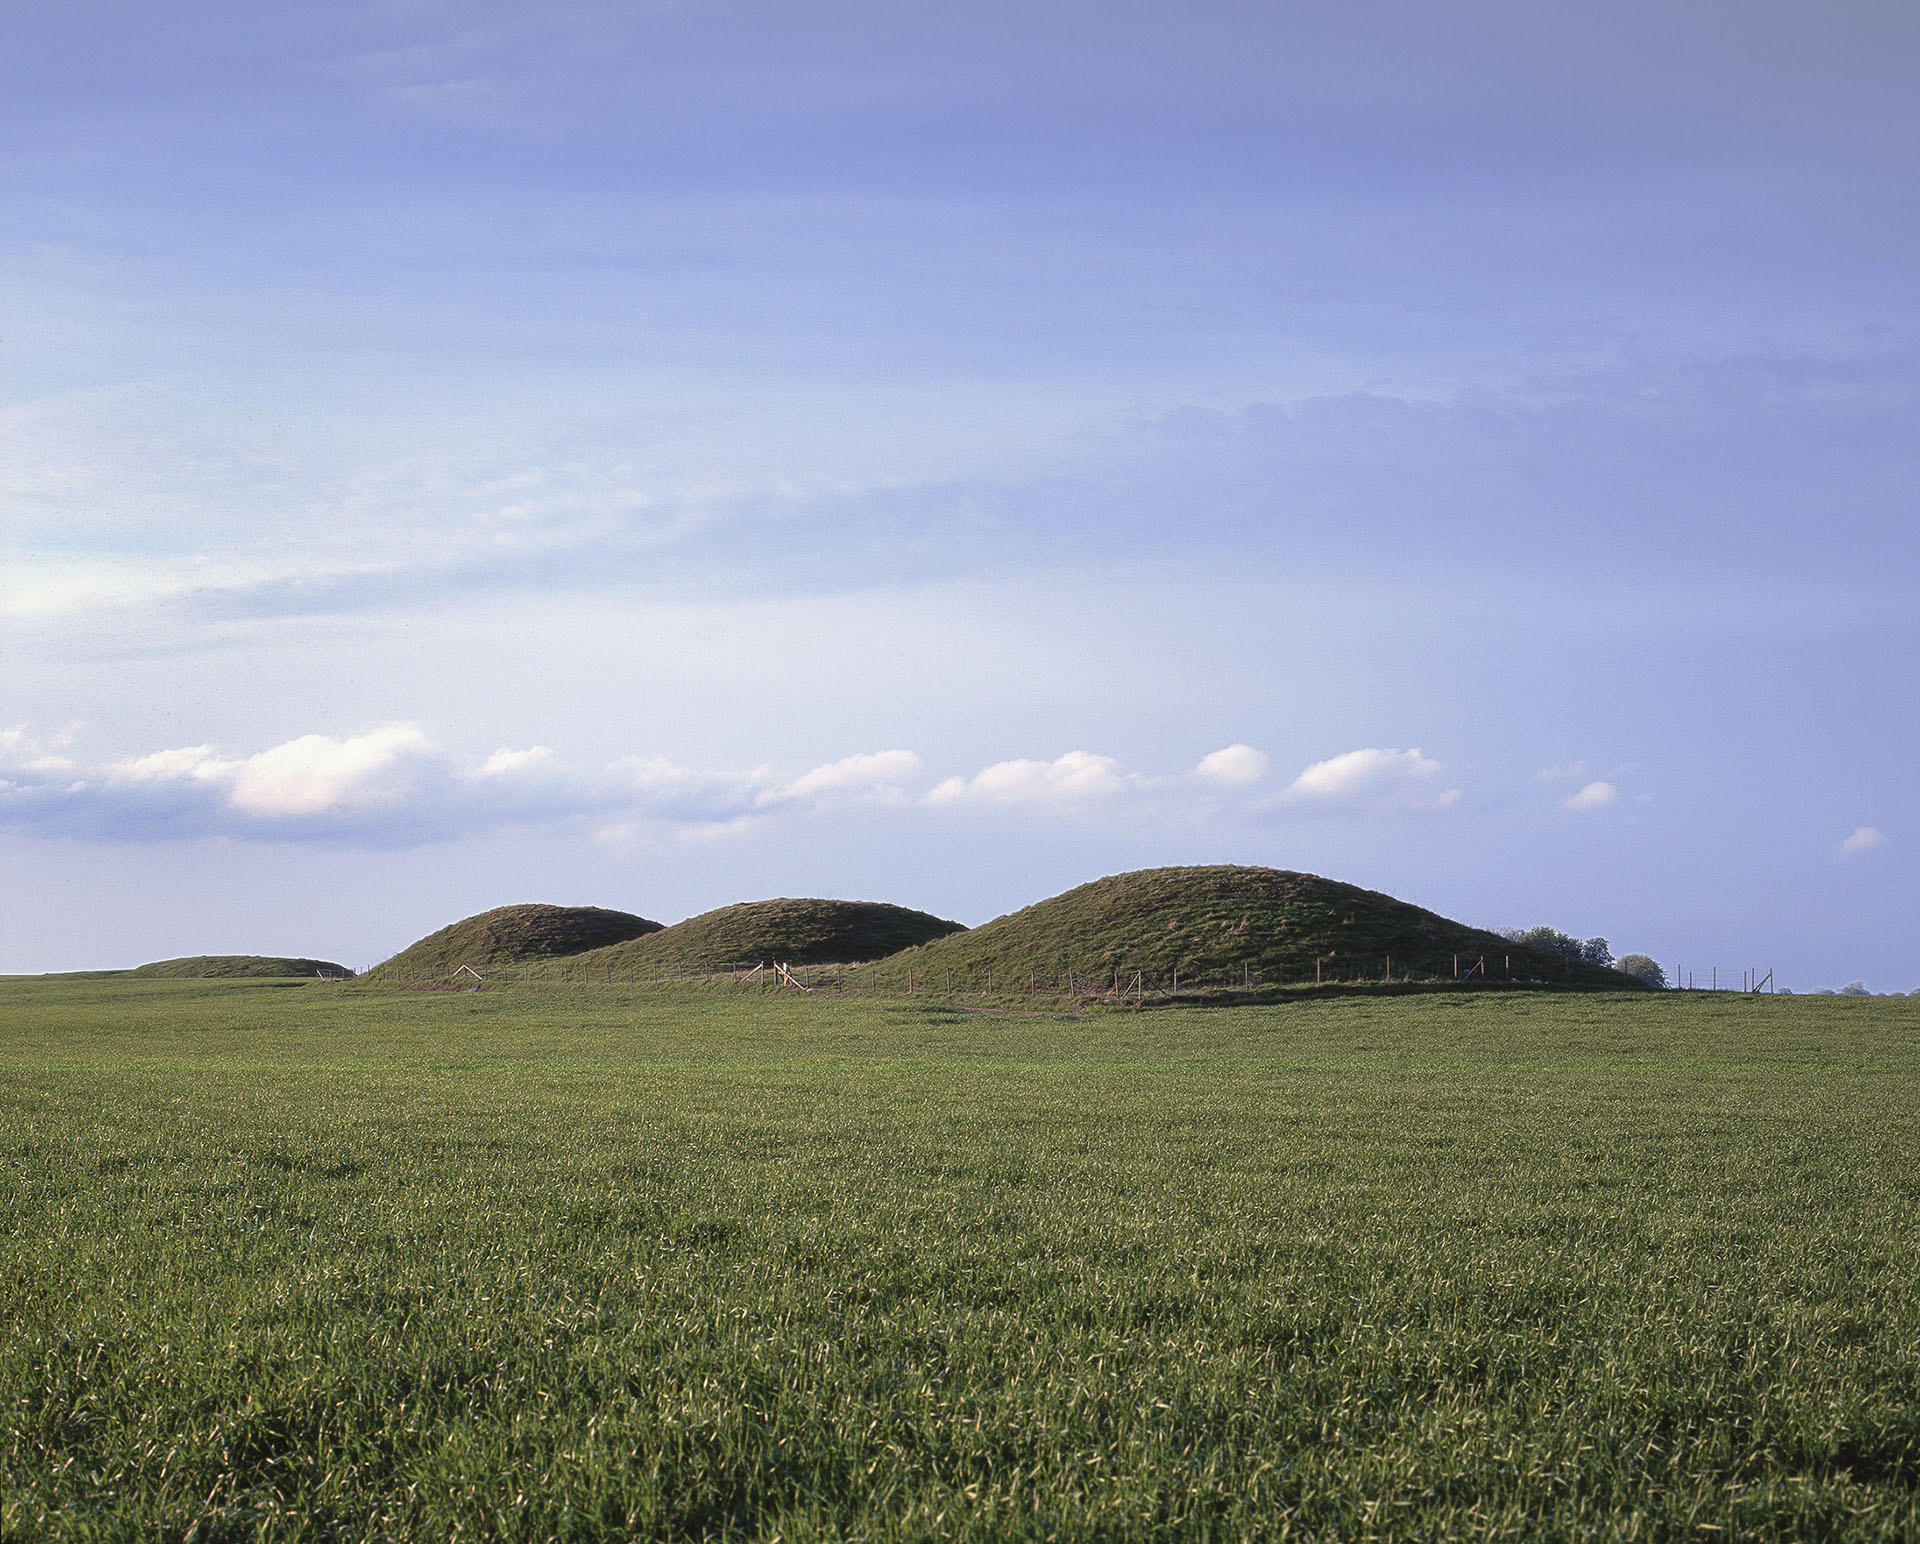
(308, 1261)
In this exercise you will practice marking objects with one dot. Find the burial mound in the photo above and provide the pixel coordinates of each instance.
(1226, 923)
(807, 931)
(240, 965)
(512, 935)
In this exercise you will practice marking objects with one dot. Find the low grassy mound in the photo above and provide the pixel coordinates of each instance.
(1224, 924)
(791, 932)
(240, 965)
(512, 935)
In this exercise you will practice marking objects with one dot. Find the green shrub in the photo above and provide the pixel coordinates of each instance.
(1642, 968)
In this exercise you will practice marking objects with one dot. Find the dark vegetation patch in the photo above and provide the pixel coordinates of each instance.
(1224, 923)
(510, 935)
(807, 931)
(263, 965)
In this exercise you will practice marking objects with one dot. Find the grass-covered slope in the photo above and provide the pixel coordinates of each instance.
(806, 931)
(1224, 922)
(240, 965)
(510, 935)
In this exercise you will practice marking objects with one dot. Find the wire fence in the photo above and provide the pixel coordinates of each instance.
(1752, 980)
(1109, 983)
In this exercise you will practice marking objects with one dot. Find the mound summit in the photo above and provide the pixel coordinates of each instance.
(229, 965)
(508, 935)
(1220, 923)
(805, 931)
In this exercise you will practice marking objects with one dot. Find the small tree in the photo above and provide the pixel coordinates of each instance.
(1550, 940)
(1642, 968)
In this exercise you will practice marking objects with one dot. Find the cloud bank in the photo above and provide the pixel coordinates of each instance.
(395, 786)
(1655, 453)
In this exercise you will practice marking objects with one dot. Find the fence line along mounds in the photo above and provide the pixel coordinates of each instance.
(1110, 984)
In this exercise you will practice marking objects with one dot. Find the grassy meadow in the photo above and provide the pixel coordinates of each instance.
(307, 1261)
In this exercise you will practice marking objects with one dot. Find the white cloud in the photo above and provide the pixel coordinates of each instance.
(317, 775)
(194, 761)
(312, 775)
(507, 762)
(656, 797)
(390, 786)
(1235, 766)
(1072, 779)
(1864, 839)
(22, 752)
(878, 774)
(1595, 796)
(1367, 781)
(655, 790)
(1370, 780)
(656, 773)
(724, 830)
(1561, 770)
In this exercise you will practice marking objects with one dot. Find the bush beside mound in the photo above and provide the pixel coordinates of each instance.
(239, 965)
(1644, 969)
(804, 931)
(1226, 923)
(510, 935)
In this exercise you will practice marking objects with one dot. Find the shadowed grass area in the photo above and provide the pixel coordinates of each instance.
(298, 1262)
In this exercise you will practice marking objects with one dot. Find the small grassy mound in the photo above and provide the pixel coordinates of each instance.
(1223, 925)
(240, 965)
(510, 935)
(791, 932)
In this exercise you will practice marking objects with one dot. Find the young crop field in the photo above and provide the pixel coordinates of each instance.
(311, 1261)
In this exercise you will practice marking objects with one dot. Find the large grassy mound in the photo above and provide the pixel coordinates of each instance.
(510, 935)
(1221, 924)
(240, 965)
(793, 932)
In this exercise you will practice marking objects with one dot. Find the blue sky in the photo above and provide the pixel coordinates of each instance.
(662, 454)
